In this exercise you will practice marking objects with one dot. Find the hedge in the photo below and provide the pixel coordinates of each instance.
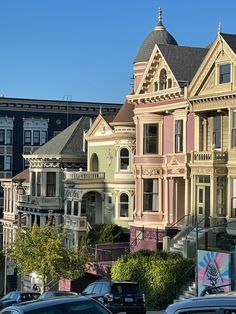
(159, 275)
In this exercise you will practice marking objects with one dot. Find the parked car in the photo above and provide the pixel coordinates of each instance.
(213, 304)
(58, 305)
(50, 294)
(117, 296)
(17, 297)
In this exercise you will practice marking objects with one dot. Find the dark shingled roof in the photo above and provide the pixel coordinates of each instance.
(68, 142)
(231, 40)
(183, 61)
(125, 114)
(159, 36)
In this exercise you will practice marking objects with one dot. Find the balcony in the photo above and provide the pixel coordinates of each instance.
(75, 223)
(41, 201)
(213, 156)
(84, 175)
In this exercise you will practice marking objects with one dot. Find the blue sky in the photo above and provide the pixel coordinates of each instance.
(84, 49)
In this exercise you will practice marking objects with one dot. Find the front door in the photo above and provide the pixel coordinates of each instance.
(203, 204)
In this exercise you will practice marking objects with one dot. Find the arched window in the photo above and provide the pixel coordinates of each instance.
(162, 80)
(124, 205)
(94, 163)
(124, 159)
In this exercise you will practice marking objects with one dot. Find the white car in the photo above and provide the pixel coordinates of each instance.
(212, 304)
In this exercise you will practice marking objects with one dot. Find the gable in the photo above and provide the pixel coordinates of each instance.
(150, 82)
(207, 78)
(99, 129)
(103, 129)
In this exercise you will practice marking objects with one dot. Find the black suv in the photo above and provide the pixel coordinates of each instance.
(117, 296)
(17, 297)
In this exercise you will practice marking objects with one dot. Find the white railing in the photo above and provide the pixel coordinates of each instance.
(209, 156)
(84, 175)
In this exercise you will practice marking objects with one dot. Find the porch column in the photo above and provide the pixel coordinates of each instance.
(186, 198)
(193, 195)
(166, 203)
(229, 197)
(213, 196)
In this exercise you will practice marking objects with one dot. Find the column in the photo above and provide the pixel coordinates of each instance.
(166, 200)
(42, 220)
(186, 199)
(192, 198)
(213, 196)
(79, 207)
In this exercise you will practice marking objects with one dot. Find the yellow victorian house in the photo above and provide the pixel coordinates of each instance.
(212, 99)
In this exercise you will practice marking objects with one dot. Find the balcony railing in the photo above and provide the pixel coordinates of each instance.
(209, 156)
(39, 200)
(84, 175)
(76, 223)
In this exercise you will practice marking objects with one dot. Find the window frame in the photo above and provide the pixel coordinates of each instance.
(179, 137)
(146, 195)
(149, 139)
(226, 74)
(123, 158)
(126, 203)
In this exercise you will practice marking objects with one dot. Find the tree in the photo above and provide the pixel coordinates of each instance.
(41, 250)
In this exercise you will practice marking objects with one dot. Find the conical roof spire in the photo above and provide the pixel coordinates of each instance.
(159, 25)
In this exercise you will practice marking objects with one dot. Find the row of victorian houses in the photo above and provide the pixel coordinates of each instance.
(168, 158)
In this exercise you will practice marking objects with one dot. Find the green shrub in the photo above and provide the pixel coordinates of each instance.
(158, 274)
(107, 233)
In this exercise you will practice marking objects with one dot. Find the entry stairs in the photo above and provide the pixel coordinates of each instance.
(189, 293)
(177, 245)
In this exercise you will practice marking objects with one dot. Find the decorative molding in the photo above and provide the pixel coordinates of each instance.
(109, 157)
(152, 172)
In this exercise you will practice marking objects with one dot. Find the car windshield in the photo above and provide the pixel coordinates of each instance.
(11, 295)
(85, 307)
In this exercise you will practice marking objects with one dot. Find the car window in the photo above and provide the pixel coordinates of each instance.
(85, 307)
(105, 288)
(123, 288)
(89, 289)
(11, 295)
(98, 287)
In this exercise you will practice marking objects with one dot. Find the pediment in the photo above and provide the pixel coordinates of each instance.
(99, 128)
(151, 76)
(206, 80)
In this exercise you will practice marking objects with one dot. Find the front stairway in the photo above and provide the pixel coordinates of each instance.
(180, 242)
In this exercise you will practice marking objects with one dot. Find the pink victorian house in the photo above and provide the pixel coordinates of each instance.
(164, 136)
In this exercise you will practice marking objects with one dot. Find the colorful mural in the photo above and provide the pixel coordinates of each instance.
(213, 271)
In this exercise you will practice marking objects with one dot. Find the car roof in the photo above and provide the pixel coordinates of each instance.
(206, 301)
(34, 305)
(116, 281)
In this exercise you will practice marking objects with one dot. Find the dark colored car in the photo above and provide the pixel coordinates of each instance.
(17, 297)
(117, 296)
(58, 305)
(50, 294)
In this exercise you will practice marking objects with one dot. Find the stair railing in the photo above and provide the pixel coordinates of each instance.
(137, 237)
(177, 221)
(196, 225)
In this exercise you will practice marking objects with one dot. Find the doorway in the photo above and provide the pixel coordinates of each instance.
(203, 204)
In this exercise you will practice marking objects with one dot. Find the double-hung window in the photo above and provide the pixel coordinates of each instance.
(234, 129)
(224, 73)
(179, 136)
(150, 139)
(150, 195)
(217, 131)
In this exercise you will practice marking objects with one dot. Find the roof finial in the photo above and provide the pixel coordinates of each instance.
(219, 28)
(100, 110)
(159, 15)
(159, 25)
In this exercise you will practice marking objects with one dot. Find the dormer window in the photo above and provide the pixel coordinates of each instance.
(224, 73)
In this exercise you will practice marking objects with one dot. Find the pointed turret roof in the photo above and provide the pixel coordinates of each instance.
(159, 36)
